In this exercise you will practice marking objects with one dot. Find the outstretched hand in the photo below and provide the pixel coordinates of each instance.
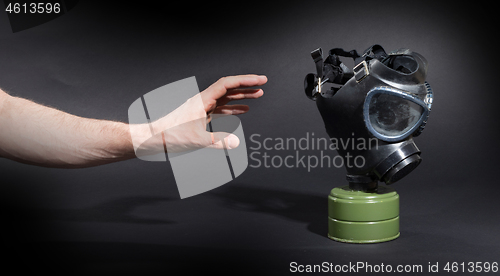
(185, 128)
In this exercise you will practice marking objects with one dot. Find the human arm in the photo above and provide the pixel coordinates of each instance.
(35, 134)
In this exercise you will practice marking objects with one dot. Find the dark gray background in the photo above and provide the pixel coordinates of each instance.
(127, 217)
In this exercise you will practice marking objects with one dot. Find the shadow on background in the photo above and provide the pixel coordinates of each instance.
(117, 210)
(300, 207)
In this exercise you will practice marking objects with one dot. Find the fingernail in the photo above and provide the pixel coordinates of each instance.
(232, 141)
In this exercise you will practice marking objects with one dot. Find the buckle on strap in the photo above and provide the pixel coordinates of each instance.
(360, 71)
(317, 56)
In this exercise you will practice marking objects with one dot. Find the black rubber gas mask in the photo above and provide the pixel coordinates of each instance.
(373, 111)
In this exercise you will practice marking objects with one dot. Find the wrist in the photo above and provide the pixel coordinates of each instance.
(143, 141)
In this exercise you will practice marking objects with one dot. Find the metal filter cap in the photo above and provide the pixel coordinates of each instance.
(363, 217)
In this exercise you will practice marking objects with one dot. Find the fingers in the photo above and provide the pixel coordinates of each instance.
(232, 82)
(221, 140)
(231, 109)
(225, 84)
(240, 94)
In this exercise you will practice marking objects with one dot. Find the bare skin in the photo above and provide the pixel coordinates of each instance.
(35, 134)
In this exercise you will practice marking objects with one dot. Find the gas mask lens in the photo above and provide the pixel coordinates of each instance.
(392, 115)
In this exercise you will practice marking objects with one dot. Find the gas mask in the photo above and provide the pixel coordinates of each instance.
(377, 107)
(371, 114)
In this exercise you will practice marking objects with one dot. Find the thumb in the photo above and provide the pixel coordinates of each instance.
(223, 140)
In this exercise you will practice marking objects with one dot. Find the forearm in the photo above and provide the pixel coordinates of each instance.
(35, 134)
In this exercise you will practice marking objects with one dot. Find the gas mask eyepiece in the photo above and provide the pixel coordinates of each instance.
(392, 115)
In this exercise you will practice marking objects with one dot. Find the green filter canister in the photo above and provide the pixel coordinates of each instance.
(363, 216)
